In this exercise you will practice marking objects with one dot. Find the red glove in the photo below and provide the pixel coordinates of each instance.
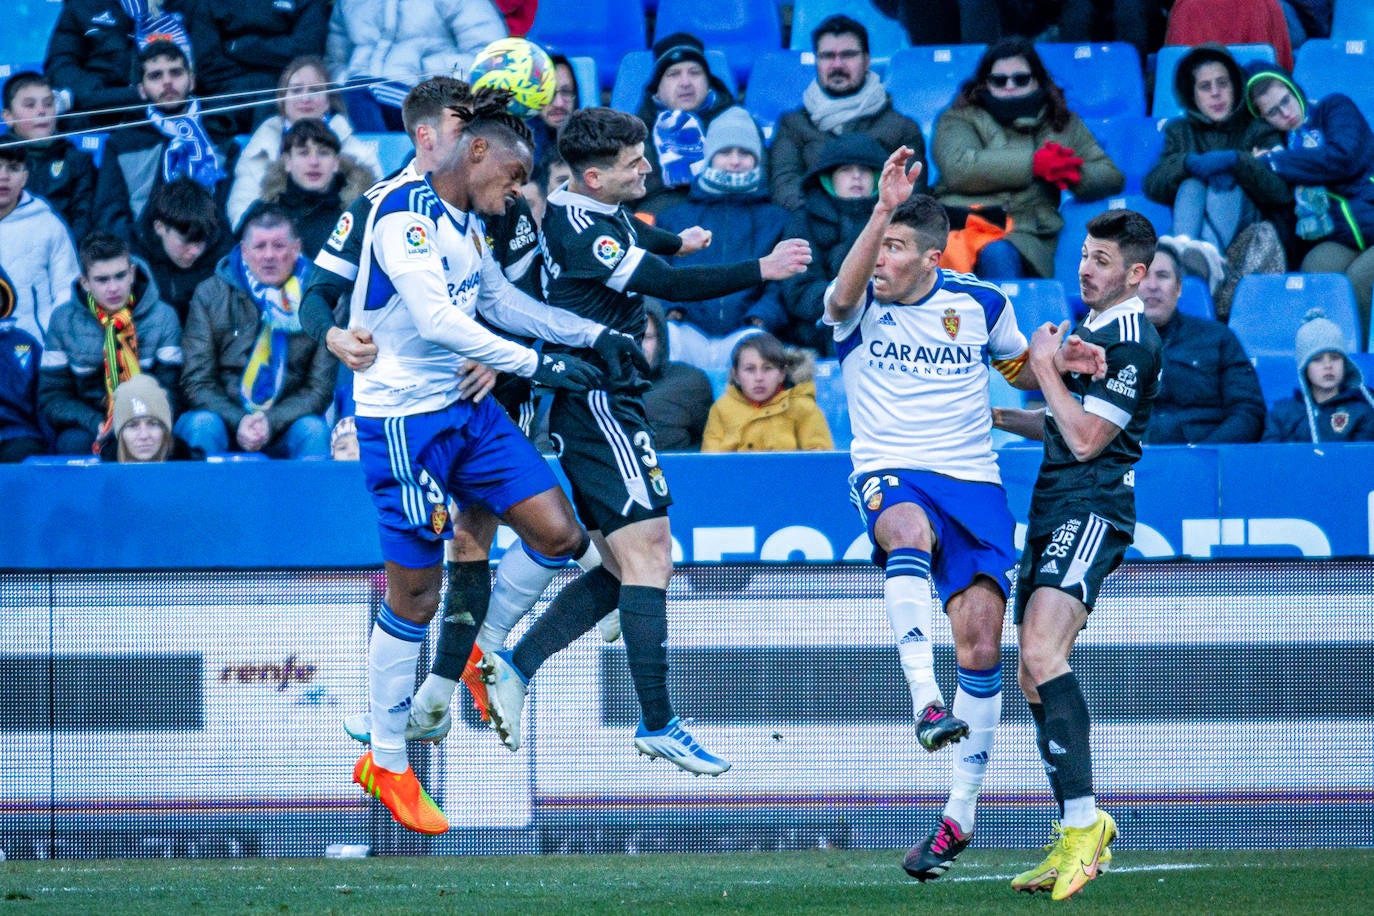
(1059, 165)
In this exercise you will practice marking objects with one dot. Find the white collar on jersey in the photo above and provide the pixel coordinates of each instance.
(1125, 307)
(563, 197)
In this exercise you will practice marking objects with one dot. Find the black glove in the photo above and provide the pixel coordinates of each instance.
(559, 370)
(615, 349)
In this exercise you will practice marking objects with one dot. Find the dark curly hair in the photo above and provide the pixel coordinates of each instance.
(973, 91)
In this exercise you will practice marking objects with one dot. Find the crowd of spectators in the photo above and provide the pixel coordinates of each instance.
(154, 293)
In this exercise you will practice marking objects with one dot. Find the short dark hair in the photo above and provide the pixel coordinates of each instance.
(594, 137)
(1132, 233)
(840, 24)
(927, 218)
(163, 47)
(265, 216)
(101, 246)
(14, 152)
(21, 81)
(428, 99)
(309, 130)
(185, 205)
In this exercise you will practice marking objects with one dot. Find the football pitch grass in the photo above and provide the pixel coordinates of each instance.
(867, 882)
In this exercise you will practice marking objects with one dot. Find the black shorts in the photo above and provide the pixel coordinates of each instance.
(606, 447)
(1075, 559)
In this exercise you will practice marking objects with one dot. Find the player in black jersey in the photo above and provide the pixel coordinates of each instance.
(601, 260)
(1082, 518)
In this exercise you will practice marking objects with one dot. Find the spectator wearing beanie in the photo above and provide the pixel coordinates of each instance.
(1331, 403)
(729, 199)
(681, 100)
(143, 424)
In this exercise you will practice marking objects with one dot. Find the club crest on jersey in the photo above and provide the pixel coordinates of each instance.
(417, 241)
(658, 481)
(951, 323)
(438, 517)
(341, 230)
(607, 250)
(1340, 420)
(56, 168)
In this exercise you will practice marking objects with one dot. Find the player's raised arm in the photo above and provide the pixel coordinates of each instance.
(895, 185)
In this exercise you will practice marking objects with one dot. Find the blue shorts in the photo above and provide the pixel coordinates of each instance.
(974, 530)
(413, 465)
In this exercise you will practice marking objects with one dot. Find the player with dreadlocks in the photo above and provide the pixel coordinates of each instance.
(425, 271)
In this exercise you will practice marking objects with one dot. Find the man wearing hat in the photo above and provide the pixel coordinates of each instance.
(729, 200)
(846, 97)
(20, 432)
(681, 100)
(1331, 403)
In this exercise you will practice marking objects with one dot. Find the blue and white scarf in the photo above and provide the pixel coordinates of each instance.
(679, 140)
(163, 27)
(190, 151)
(265, 373)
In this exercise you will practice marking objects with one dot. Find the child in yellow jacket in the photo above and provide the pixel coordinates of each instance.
(770, 405)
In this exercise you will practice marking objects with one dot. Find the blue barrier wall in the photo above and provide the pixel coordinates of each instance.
(1260, 501)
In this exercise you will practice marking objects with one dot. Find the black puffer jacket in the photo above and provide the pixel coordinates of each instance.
(1208, 392)
(91, 53)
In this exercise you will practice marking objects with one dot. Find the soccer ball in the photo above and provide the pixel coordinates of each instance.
(522, 68)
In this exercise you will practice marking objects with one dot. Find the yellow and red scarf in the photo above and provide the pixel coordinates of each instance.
(121, 354)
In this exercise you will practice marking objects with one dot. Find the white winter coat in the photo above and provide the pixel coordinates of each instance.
(409, 40)
(37, 252)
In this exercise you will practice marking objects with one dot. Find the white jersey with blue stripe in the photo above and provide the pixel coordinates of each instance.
(916, 377)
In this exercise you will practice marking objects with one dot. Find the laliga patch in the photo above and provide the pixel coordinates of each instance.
(607, 250)
(417, 241)
(341, 230)
(951, 323)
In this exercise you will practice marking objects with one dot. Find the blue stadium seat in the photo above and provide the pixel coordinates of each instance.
(922, 81)
(636, 68)
(885, 36)
(1268, 309)
(93, 143)
(1278, 376)
(28, 23)
(1076, 215)
(1352, 20)
(394, 148)
(831, 399)
(1099, 81)
(1001, 393)
(776, 86)
(1134, 144)
(1036, 302)
(588, 83)
(604, 30)
(1366, 363)
(743, 29)
(1164, 105)
(1326, 66)
(1196, 299)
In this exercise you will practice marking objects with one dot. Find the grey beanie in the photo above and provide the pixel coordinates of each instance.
(733, 127)
(1318, 335)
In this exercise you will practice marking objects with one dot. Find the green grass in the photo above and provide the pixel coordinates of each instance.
(1339, 881)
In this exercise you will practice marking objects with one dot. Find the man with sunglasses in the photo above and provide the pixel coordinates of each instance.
(846, 97)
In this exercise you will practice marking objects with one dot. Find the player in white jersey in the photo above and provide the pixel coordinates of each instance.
(425, 273)
(915, 343)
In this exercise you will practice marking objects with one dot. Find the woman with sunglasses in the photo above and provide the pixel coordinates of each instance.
(1008, 140)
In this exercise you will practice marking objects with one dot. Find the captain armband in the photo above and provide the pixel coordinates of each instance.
(1011, 368)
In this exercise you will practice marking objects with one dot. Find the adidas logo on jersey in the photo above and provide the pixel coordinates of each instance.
(914, 635)
(887, 319)
(1051, 568)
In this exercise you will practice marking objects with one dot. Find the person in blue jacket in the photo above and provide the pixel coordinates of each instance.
(1331, 402)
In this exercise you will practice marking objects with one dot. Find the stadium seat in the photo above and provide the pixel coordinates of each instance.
(1099, 81)
(1278, 376)
(588, 83)
(743, 29)
(1352, 20)
(1196, 299)
(1326, 66)
(776, 85)
(885, 36)
(394, 148)
(830, 397)
(922, 81)
(1076, 215)
(1268, 309)
(604, 30)
(25, 36)
(1164, 105)
(93, 143)
(1134, 144)
(1036, 302)
(636, 68)
(1001, 393)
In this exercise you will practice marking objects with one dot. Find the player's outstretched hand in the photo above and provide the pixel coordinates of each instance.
(353, 347)
(475, 381)
(895, 184)
(787, 259)
(1077, 355)
(622, 357)
(559, 370)
(694, 238)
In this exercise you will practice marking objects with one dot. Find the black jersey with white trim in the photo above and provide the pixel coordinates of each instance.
(1106, 483)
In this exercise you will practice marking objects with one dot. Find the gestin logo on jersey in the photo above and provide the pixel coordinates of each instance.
(417, 241)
